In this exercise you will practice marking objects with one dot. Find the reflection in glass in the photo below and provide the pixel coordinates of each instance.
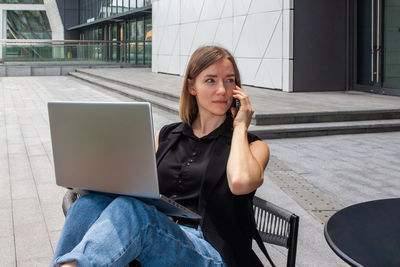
(140, 30)
(148, 30)
(22, 24)
(391, 53)
(21, 1)
(364, 43)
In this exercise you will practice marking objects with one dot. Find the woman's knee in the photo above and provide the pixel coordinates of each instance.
(142, 212)
(92, 202)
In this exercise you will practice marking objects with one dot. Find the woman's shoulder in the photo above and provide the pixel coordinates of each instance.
(167, 129)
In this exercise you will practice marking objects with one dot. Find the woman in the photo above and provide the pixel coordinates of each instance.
(208, 162)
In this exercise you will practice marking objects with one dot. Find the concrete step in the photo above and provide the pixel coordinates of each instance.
(164, 103)
(280, 125)
(271, 119)
(324, 128)
(317, 117)
(152, 91)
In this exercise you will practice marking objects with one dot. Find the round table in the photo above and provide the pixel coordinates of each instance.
(367, 234)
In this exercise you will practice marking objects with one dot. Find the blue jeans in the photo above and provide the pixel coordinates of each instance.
(101, 230)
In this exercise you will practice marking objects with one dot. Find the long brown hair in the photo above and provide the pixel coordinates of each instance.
(201, 59)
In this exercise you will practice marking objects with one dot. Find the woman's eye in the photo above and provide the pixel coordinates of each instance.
(230, 80)
(209, 80)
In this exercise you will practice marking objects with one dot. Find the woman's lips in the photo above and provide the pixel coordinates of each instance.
(220, 102)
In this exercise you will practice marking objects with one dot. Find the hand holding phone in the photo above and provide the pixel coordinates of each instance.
(244, 105)
(236, 105)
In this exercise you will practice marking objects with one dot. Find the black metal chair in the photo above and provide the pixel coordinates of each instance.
(275, 225)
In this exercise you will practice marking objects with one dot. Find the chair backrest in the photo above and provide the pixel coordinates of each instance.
(277, 226)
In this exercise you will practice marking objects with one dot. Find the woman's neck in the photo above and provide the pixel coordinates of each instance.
(203, 125)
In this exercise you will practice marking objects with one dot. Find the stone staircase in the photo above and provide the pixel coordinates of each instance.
(266, 126)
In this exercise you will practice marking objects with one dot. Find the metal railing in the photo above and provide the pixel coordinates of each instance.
(75, 52)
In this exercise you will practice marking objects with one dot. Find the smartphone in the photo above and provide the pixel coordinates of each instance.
(236, 105)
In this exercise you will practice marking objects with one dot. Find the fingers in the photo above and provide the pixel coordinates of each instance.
(243, 98)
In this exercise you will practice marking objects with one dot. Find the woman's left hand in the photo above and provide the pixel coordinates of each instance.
(246, 110)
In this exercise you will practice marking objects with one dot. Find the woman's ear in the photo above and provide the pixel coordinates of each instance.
(190, 87)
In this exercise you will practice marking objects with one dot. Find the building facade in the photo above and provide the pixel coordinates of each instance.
(288, 45)
(125, 23)
(294, 46)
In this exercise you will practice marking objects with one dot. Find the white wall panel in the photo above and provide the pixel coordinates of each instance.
(248, 69)
(238, 23)
(212, 9)
(287, 33)
(240, 7)
(274, 47)
(258, 6)
(257, 32)
(187, 33)
(162, 12)
(163, 40)
(173, 39)
(204, 34)
(228, 9)
(288, 4)
(224, 34)
(173, 16)
(184, 60)
(163, 63)
(269, 74)
(190, 10)
(287, 74)
(173, 65)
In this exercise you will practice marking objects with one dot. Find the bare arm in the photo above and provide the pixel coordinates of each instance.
(156, 140)
(246, 162)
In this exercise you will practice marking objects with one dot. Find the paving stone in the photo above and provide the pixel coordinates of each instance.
(42, 169)
(50, 193)
(37, 262)
(31, 236)
(53, 216)
(54, 237)
(19, 166)
(7, 251)
(6, 222)
(16, 148)
(22, 189)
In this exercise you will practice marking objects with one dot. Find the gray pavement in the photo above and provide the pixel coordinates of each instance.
(31, 219)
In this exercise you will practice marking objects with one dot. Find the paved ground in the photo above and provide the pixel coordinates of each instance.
(30, 202)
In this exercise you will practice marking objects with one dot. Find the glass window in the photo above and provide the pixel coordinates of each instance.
(132, 31)
(125, 5)
(140, 30)
(140, 53)
(148, 30)
(140, 3)
(132, 4)
(147, 53)
(21, 1)
(391, 51)
(22, 24)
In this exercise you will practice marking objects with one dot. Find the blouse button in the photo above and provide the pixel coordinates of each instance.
(188, 164)
(190, 160)
(180, 181)
(194, 154)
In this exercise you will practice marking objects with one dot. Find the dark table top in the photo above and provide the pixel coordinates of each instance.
(367, 234)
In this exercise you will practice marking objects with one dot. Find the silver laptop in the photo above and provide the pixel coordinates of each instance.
(108, 147)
